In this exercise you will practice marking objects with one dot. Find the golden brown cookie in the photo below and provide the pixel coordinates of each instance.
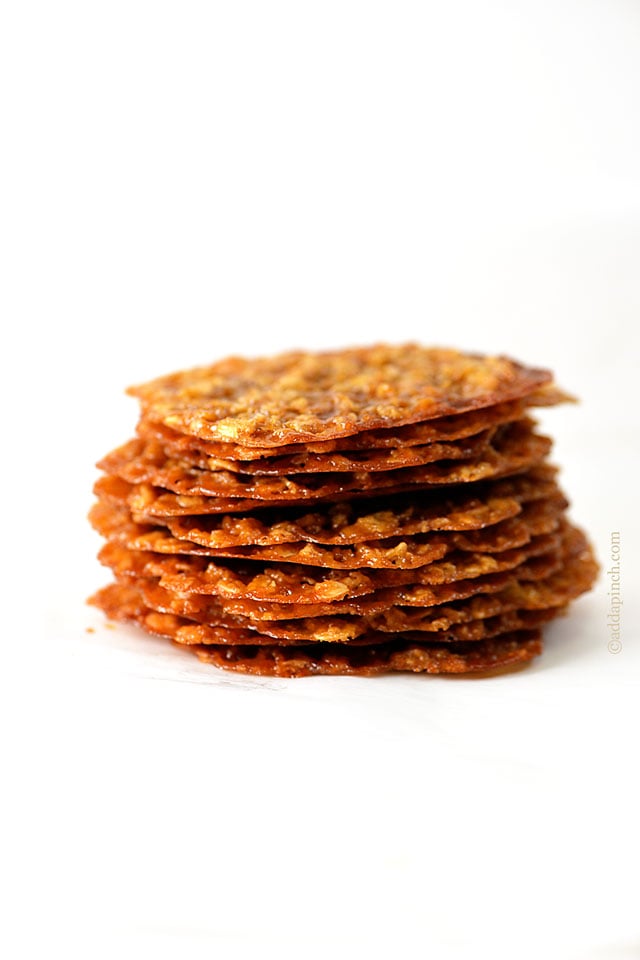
(537, 517)
(170, 488)
(556, 591)
(484, 657)
(306, 397)
(430, 431)
(540, 558)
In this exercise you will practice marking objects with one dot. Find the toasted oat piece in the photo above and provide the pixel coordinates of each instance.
(306, 397)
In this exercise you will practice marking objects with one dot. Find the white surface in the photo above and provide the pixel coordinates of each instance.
(181, 181)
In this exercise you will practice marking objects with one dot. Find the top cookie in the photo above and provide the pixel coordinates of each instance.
(304, 397)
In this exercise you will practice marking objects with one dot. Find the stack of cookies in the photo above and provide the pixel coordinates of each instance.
(352, 512)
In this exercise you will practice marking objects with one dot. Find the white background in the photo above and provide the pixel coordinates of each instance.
(184, 180)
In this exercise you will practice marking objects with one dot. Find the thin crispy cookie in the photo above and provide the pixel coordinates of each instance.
(440, 430)
(294, 584)
(539, 559)
(304, 397)
(231, 632)
(537, 517)
(146, 461)
(346, 521)
(184, 491)
(395, 552)
(339, 659)
(503, 607)
(485, 657)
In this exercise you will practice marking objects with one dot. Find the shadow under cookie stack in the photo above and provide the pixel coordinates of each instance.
(385, 508)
